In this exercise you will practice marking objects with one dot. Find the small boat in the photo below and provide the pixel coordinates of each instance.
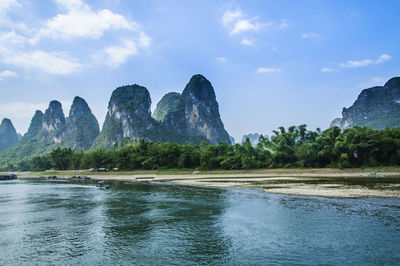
(372, 174)
(144, 178)
(101, 184)
(8, 177)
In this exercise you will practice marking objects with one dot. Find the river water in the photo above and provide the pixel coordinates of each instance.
(45, 222)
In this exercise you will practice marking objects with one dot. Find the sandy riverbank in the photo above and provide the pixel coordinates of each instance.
(312, 182)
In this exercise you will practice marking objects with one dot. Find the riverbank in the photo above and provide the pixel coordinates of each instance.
(310, 182)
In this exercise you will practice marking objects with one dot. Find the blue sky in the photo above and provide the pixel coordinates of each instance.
(272, 63)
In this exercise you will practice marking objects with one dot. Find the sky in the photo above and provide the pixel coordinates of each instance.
(271, 63)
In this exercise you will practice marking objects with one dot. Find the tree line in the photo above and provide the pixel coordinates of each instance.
(286, 148)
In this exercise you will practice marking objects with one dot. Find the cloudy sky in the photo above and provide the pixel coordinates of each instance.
(272, 63)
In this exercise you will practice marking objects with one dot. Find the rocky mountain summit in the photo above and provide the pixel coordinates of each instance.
(375, 107)
(52, 129)
(8, 134)
(82, 126)
(128, 116)
(188, 118)
(197, 113)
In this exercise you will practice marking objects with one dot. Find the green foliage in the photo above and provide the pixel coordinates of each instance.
(291, 147)
(167, 104)
(61, 158)
(130, 96)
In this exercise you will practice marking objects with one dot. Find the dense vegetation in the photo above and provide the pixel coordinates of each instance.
(167, 104)
(292, 147)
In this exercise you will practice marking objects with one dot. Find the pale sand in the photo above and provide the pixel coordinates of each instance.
(311, 182)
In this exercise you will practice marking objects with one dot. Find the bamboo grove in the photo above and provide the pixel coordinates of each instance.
(286, 148)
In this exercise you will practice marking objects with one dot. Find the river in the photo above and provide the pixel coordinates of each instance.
(43, 222)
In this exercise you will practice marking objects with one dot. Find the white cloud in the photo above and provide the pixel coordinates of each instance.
(236, 22)
(383, 58)
(81, 21)
(13, 52)
(264, 70)
(310, 35)
(230, 16)
(144, 40)
(52, 63)
(7, 74)
(247, 42)
(11, 39)
(326, 69)
(221, 60)
(21, 47)
(360, 63)
(245, 25)
(5, 5)
(366, 62)
(117, 55)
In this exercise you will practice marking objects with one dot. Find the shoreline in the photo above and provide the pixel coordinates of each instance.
(308, 182)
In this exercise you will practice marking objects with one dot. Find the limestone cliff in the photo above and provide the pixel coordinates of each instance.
(128, 116)
(82, 126)
(50, 129)
(197, 113)
(8, 134)
(192, 117)
(376, 107)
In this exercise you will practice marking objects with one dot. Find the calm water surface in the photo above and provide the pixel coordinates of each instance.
(145, 223)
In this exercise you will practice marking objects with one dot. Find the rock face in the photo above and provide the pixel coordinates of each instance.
(188, 118)
(54, 124)
(50, 129)
(197, 113)
(54, 119)
(167, 104)
(192, 117)
(128, 116)
(82, 126)
(44, 133)
(36, 123)
(375, 107)
(8, 134)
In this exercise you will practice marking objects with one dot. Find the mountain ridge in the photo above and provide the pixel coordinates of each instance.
(190, 117)
(376, 107)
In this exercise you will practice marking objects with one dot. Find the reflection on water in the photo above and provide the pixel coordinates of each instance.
(147, 223)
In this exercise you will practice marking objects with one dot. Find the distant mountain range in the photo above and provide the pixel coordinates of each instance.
(190, 117)
(52, 129)
(376, 107)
